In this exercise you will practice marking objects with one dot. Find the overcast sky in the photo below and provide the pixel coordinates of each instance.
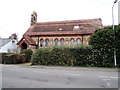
(15, 15)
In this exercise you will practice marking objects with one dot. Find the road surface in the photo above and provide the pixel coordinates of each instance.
(14, 76)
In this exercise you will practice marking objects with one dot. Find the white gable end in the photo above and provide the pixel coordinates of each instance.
(9, 47)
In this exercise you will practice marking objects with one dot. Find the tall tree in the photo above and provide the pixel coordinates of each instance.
(106, 40)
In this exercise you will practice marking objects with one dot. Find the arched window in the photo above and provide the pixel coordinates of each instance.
(78, 42)
(41, 43)
(62, 42)
(88, 41)
(46, 42)
(56, 42)
(72, 43)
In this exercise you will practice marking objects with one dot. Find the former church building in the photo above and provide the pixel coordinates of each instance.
(69, 33)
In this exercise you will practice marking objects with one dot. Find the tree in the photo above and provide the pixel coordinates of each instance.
(106, 41)
(117, 44)
(13, 36)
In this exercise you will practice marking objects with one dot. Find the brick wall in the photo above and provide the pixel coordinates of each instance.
(67, 40)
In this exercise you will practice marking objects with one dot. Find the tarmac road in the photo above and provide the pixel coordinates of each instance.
(14, 76)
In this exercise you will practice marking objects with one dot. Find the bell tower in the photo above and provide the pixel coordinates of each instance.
(33, 18)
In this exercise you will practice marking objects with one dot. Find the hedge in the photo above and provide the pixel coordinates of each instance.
(28, 53)
(12, 58)
(72, 57)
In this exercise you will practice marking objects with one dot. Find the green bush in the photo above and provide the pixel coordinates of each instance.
(1, 57)
(41, 56)
(78, 56)
(104, 41)
(62, 56)
(28, 54)
(12, 58)
(118, 59)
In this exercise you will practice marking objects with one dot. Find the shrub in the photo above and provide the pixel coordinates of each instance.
(41, 56)
(12, 58)
(28, 54)
(78, 56)
(1, 57)
(62, 56)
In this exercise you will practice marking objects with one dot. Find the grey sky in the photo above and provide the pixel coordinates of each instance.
(16, 14)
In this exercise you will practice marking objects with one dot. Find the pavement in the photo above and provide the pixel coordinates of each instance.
(69, 67)
(77, 68)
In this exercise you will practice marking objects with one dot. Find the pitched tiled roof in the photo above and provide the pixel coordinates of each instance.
(4, 41)
(85, 26)
(65, 27)
(61, 30)
(28, 39)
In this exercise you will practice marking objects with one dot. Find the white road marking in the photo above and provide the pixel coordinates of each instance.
(107, 81)
(40, 71)
(71, 74)
(43, 72)
(108, 77)
(108, 84)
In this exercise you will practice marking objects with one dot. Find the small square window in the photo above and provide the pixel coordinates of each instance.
(13, 41)
(60, 29)
(76, 27)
